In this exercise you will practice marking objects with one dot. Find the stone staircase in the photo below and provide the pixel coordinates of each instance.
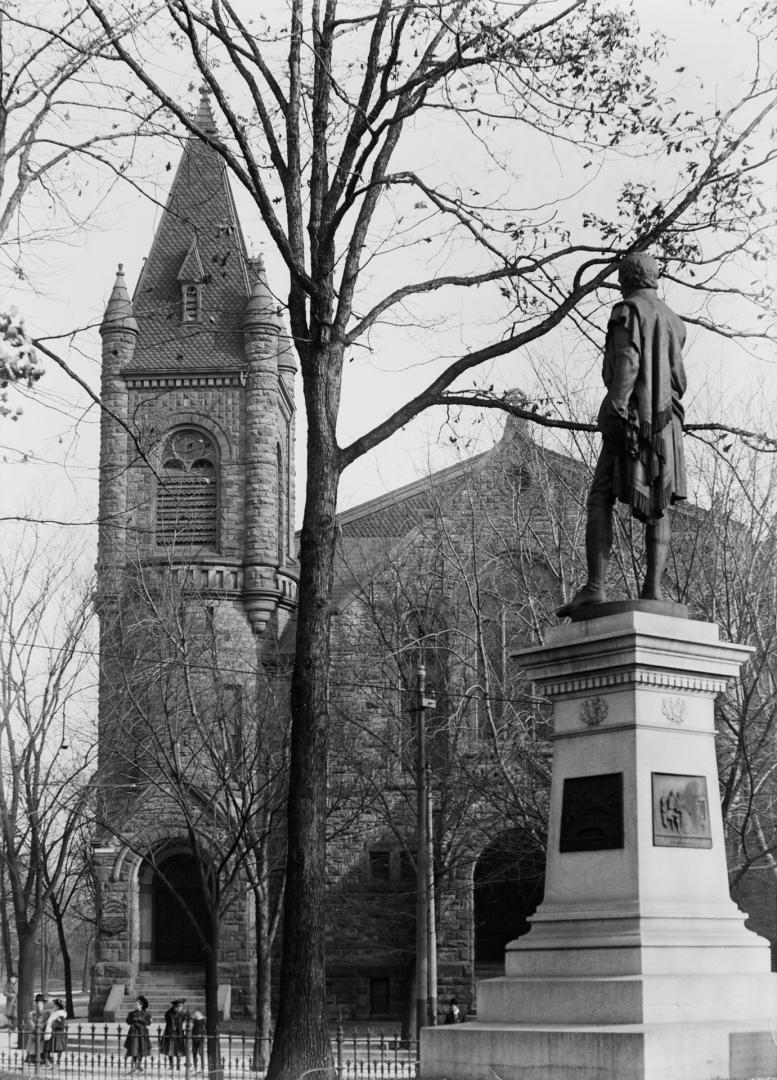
(161, 986)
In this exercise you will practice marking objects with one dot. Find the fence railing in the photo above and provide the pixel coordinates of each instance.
(98, 1050)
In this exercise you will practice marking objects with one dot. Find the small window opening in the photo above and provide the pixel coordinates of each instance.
(191, 303)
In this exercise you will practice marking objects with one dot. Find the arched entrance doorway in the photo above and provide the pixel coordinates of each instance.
(178, 909)
(509, 880)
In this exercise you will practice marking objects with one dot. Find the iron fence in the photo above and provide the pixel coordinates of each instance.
(97, 1050)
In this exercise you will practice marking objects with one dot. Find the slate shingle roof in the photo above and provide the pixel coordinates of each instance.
(398, 512)
(200, 207)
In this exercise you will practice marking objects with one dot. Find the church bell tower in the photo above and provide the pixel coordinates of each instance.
(197, 502)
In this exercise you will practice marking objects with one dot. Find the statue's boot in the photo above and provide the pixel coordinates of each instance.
(598, 545)
(657, 538)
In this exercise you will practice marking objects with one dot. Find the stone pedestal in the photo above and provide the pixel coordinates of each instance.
(637, 965)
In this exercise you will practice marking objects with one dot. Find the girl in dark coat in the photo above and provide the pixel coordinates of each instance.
(138, 1041)
(172, 1043)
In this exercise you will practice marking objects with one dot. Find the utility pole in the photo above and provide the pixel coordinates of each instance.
(426, 959)
(431, 920)
(421, 856)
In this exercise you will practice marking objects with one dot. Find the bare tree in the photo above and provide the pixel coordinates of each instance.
(455, 574)
(61, 147)
(71, 900)
(725, 568)
(322, 124)
(466, 567)
(198, 736)
(45, 664)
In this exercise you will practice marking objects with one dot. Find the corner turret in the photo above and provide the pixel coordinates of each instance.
(119, 313)
(261, 311)
(119, 331)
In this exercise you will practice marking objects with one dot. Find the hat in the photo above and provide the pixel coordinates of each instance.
(58, 1002)
(40, 997)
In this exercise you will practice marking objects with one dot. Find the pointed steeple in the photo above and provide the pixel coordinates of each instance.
(198, 241)
(204, 117)
(119, 313)
(262, 306)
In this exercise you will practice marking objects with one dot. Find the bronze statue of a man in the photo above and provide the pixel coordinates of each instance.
(641, 421)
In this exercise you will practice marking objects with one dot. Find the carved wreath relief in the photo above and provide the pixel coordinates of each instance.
(674, 709)
(593, 711)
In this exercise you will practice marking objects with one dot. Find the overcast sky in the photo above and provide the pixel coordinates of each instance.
(48, 460)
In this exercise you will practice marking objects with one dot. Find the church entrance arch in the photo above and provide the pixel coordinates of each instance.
(509, 880)
(178, 909)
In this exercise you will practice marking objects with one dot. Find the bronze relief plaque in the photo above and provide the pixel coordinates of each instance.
(592, 813)
(680, 811)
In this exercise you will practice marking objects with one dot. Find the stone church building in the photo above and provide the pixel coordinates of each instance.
(440, 580)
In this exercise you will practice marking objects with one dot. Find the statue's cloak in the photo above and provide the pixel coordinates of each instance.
(643, 359)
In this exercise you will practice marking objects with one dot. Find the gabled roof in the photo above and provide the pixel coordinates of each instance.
(376, 531)
(199, 224)
(399, 511)
(191, 268)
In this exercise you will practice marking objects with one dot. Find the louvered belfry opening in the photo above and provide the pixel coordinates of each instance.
(187, 492)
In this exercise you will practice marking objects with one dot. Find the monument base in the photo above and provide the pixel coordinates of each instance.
(699, 1051)
(638, 965)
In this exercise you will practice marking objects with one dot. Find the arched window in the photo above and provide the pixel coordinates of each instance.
(187, 491)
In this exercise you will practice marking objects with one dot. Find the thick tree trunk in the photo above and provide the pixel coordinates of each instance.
(301, 1041)
(28, 956)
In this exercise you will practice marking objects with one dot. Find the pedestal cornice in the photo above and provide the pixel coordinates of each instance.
(633, 648)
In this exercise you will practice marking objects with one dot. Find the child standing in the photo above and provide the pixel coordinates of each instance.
(55, 1040)
(198, 1037)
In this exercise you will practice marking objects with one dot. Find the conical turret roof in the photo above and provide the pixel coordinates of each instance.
(262, 306)
(119, 313)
